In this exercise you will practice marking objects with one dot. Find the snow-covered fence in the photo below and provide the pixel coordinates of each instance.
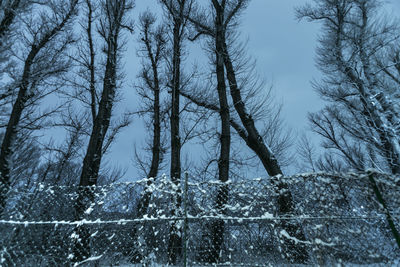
(350, 218)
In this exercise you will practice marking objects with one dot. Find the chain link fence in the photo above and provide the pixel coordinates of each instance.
(343, 218)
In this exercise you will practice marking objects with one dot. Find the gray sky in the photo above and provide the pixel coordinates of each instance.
(285, 53)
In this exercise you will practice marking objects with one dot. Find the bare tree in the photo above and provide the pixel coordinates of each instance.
(176, 17)
(152, 41)
(358, 56)
(223, 162)
(247, 128)
(113, 19)
(217, 29)
(110, 26)
(49, 37)
(358, 81)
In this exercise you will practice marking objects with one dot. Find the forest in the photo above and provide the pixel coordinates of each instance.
(210, 124)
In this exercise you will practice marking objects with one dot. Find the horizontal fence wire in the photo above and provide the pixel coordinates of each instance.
(312, 218)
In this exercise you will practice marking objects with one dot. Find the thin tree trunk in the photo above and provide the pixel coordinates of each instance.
(144, 201)
(91, 67)
(218, 227)
(156, 144)
(92, 159)
(12, 130)
(156, 149)
(175, 240)
(175, 105)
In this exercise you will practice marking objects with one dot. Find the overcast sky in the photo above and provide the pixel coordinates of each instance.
(285, 53)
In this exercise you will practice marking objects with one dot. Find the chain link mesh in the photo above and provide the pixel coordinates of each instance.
(234, 223)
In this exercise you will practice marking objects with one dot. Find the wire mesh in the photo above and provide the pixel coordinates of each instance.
(333, 218)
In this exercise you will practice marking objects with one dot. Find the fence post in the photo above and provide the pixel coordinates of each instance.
(185, 222)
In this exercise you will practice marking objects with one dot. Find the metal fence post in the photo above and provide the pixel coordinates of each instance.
(185, 223)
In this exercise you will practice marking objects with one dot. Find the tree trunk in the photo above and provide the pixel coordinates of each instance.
(175, 171)
(12, 130)
(91, 64)
(19, 104)
(294, 253)
(156, 144)
(218, 226)
(144, 201)
(175, 240)
(92, 160)
(383, 204)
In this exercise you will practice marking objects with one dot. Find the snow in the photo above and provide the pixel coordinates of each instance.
(285, 234)
(320, 242)
(250, 206)
(94, 234)
(74, 235)
(93, 258)
(267, 215)
(89, 210)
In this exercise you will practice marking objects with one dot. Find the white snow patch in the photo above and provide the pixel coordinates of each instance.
(94, 258)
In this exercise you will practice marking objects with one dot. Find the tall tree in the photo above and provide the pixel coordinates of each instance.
(247, 130)
(176, 15)
(357, 55)
(111, 24)
(225, 139)
(152, 41)
(113, 19)
(50, 37)
(216, 29)
(153, 46)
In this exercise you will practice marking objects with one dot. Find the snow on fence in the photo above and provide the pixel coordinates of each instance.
(348, 218)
